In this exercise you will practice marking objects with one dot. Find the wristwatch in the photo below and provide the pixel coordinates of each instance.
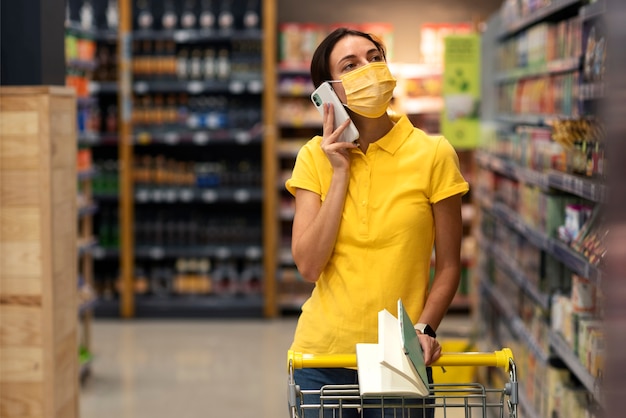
(425, 329)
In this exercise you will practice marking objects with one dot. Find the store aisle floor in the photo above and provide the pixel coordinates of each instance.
(193, 368)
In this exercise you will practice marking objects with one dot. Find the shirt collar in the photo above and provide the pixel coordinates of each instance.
(396, 136)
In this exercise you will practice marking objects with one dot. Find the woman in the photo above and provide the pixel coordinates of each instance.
(368, 213)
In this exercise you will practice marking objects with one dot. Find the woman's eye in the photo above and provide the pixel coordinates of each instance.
(376, 58)
(349, 67)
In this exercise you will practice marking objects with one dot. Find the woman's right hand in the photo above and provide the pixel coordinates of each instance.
(338, 152)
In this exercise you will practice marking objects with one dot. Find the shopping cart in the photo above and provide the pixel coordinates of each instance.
(446, 399)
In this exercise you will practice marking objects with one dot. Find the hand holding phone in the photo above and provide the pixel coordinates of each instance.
(325, 94)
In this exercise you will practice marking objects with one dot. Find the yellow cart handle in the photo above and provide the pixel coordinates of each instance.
(500, 358)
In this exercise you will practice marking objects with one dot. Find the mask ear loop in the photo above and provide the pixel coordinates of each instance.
(337, 81)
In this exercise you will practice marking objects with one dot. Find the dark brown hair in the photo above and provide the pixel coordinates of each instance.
(320, 67)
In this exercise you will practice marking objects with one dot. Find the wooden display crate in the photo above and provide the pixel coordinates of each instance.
(38, 254)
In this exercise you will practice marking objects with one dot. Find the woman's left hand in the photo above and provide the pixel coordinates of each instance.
(430, 347)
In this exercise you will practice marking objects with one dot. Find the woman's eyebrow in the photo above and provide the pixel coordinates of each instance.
(352, 56)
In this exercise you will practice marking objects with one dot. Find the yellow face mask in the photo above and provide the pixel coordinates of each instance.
(369, 89)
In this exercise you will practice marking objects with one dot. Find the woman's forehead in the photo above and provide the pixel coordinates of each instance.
(351, 45)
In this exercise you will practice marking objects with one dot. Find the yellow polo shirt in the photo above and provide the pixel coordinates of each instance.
(386, 235)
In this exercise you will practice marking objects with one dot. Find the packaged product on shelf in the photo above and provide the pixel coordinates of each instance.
(583, 295)
(576, 216)
(589, 341)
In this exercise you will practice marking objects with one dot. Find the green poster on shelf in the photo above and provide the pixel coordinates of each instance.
(460, 122)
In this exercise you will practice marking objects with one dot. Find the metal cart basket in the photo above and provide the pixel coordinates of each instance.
(448, 400)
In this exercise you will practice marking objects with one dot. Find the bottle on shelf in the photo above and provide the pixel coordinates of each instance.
(223, 64)
(207, 15)
(251, 17)
(188, 16)
(112, 17)
(145, 19)
(225, 277)
(226, 19)
(87, 15)
(195, 64)
(169, 20)
(209, 64)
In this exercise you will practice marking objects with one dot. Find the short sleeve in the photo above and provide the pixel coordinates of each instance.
(446, 177)
(304, 174)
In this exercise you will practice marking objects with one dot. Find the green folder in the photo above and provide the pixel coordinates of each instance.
(411, 344)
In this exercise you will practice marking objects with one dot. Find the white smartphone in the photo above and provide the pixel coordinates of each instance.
(325, 94)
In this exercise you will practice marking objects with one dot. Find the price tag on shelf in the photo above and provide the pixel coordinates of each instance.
(142, 195)
(200, 138)
(156, 253)
(209, 196)
(186, 194)
(237, 87)
(98, 252)
(243, 137)
(181, 36)
(171, 138)
(170, 195)
(141, 87)
(93, 87)
(195, 87)
(241, 195)
(144, 138)
(157, 195)
(255, 86)
(253, 252)
(222, 253)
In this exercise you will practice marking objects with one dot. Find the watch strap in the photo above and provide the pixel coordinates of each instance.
(425, 329)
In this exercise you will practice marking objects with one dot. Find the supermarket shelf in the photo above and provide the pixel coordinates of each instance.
(530, 119)
(231, 86)
(592, 91)
(286, 70)
(85, 65)
(86, 101)
(593, 10)
(545, 13)
(109, 87)
(550, 68)
(181, 194)
(93, 138)
(249, 306)
(101, 253)
(106, 197)
(580, 186)
(527, 409)
(182, 136)
(565, 353)
(158, 252)
(514, 272)
(197, 35)
(513, 321)
(95, 34)
(559, 250)
(290, 148)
